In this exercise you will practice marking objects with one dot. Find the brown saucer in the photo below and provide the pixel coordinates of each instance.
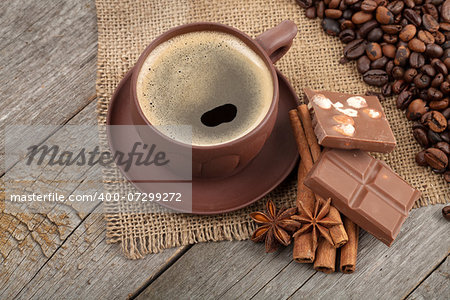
(213, 196)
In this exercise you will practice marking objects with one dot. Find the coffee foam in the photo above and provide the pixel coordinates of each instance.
(193, 73)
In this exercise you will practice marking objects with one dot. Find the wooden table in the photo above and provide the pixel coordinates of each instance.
(47, 76)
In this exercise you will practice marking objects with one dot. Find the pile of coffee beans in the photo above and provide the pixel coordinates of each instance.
(403, 47)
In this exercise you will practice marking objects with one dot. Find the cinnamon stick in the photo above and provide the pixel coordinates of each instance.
(304, 251)
(350, 250)
(325, 257)
(303, 248)
(300, 138)
(337, 232)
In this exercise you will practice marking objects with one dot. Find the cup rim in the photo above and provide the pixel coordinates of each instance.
(204, 26)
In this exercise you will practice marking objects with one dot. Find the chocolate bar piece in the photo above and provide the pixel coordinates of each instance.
(347, 121)
(364, 189)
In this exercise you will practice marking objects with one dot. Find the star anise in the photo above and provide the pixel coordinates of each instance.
(317, 220)
(274, 226)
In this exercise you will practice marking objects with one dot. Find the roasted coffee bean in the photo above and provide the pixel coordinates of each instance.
(434, 120)
(368, 27)
(391, 29)
(431, 10)
(355, 49)
(446, 113)
(305, 3)
(384, 16)
(434, 50)
(434, 94)
(445, 11)
(368, 5)
(390, 38)
(416, 60)
(437, 80)
(425, 37)
(444, 26)
(347, 24)
(436, 158)
(343, 60)
(439, 37)
(422, 81)
(398, 73)
(331, 27)
(412, 17)
(404, 99)
(445, 136)
(421, 137)
(389, 67)
(333, 13)
(410, 3)
(310, 12)
(434, 137)
(347, 13)
(386, 90)
(439, 66)
(347, 35)
(389, 50)
(439, 104)
(446, 209)
(376, 77)
(430, 23)
(361, 17)
(398, 86)
(334, 4)
(320, 9)
(420, 159)
(410, 74)
(416, 45)
(423, 94)
(429, 70)
(396, 7)
(363, 64)
(379, 63)
(373, 51)
(401, 56)
(445, 87)
(438, 171)
(407, 33)
(342, 6)
(444, 147)
(375, 35)
(416, 109)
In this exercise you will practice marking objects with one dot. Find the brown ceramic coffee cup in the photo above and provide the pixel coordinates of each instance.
(230, 157)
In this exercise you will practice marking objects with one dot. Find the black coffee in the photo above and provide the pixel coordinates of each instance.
(211, 81)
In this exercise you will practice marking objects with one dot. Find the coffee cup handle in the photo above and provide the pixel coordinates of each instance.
(277, 41)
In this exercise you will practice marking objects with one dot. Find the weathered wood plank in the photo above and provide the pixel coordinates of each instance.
(47, 61)
(86, 267)
(211, 270)
(67, 263)
(436, 286)
(241, 270)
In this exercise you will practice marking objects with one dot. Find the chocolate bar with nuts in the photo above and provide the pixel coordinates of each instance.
(349, 121)
(364, 189)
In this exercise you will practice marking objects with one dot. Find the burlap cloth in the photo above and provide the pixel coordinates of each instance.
(125, 28)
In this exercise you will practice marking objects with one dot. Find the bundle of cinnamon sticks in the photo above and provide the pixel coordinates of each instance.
(307, 249)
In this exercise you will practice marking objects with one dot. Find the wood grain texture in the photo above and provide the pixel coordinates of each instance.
(241, 270)
(436, 286)
(47, 61)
